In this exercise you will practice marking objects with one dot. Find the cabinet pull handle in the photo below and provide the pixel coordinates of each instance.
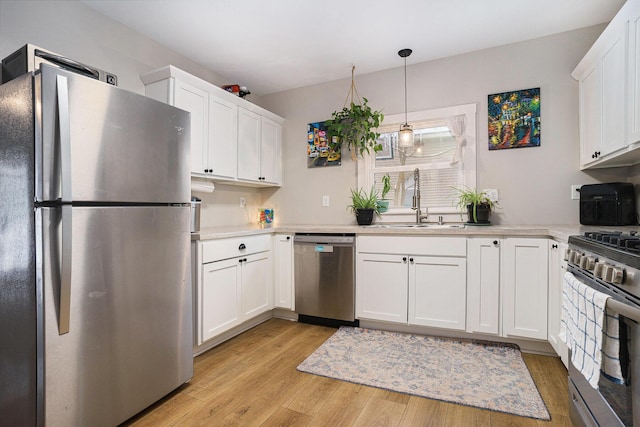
(495, 243)
(244, 260)
(404, 259)
(240, 260)
(411, 260)
(242, 246)
(288, 237)
(554, 246)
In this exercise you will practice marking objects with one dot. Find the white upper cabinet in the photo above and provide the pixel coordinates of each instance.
(609, 103)
(231, 138)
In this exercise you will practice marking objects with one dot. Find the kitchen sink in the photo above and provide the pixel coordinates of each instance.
(424, 225)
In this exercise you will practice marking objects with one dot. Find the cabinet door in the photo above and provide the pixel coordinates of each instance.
(590, 116)
(220, 304)
(196, 102)
(437, 292)
(633, 105)
(223, 136)
(257, 284)
(248, 145)
(283, 271)
(557, 268)
(271, 166)
(613, 94)
(525, 288)
(483, 286)
(381, 287)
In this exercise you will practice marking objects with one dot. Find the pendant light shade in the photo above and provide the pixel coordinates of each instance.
(405, 137)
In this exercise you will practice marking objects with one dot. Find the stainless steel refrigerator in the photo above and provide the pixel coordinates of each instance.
(95, 294)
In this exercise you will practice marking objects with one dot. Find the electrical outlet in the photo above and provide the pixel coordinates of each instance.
(575, 192)
(243, 202)
(325, 200)
(492, 193)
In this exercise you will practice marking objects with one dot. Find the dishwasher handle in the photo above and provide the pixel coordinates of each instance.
(316, 239)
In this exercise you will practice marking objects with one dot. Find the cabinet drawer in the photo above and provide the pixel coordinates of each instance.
(216, 250)
(437, 246)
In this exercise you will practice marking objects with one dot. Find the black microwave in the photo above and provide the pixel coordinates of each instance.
(608, 204)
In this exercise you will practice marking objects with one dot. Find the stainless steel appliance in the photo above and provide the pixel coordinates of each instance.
(613, 203)
(95, 295)
(324, 267)
(610, 263)
(29, 58)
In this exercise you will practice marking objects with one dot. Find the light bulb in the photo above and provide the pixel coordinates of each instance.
(405, 136)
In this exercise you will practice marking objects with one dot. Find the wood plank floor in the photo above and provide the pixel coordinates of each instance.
(252, 380)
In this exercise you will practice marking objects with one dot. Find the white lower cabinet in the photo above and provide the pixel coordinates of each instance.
(412, 280)
(557, 268)
(235, 283)
(284, 296)
(483, 286)
(524, 282)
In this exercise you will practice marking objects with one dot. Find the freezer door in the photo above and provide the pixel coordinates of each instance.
(130, 336)
(104, 144)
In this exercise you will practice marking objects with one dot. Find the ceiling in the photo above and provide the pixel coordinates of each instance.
(273, 46)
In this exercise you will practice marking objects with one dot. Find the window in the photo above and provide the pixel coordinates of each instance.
(444, 152)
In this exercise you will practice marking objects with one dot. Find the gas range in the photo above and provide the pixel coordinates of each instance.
(610, 257)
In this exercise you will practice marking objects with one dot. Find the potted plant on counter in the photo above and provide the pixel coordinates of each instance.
(383, 203)
(364, 205)
(477, 204)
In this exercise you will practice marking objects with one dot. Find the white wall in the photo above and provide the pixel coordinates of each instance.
(533, 183)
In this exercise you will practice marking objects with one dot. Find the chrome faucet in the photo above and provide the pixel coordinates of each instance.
(416, 198)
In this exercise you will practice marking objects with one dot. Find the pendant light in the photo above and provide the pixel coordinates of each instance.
(405, 136)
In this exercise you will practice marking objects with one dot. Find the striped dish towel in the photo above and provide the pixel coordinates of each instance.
(588, 333)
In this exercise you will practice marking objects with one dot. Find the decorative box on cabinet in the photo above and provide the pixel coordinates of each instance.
(231, 139)
(412, 280)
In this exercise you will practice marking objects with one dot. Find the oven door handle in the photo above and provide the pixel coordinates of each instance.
(625, 310)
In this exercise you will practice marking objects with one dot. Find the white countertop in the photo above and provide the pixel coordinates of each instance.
(557, 232)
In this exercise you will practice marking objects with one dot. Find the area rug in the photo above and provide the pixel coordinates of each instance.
(474, 373)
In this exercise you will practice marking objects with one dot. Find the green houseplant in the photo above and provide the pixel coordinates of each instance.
(354, 126)
(364, 205)
(477, 204)
(383, 204)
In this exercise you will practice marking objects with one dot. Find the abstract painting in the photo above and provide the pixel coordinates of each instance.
(514, 119)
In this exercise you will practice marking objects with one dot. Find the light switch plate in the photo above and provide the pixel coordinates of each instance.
(492, 193)
(325, 200)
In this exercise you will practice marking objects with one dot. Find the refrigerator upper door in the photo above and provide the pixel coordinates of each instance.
(130, 336)
(103, 144)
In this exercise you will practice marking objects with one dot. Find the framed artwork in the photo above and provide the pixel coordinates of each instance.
(514, 119)
(320, 151)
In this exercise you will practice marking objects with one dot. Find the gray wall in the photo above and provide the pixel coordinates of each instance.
(533, 183)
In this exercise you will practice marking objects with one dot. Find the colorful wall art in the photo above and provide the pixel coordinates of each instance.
(320, 151)
(514, 119)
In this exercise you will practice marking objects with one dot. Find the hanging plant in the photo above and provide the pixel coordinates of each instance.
(355, 126)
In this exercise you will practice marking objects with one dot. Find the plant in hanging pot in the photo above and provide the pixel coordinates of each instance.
(364, 205)
(355, 126)
(477, 204)
(383, 204)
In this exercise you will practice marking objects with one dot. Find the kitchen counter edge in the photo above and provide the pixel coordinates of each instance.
(556, 232)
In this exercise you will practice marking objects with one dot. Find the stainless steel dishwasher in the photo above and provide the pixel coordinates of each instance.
(325, 278)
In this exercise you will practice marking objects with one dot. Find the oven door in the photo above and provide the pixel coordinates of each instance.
(612, 404)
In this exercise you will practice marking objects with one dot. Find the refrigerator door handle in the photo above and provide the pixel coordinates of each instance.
(64, 123)
(65, 276)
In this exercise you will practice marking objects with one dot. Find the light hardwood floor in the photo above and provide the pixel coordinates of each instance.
(252, 380)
